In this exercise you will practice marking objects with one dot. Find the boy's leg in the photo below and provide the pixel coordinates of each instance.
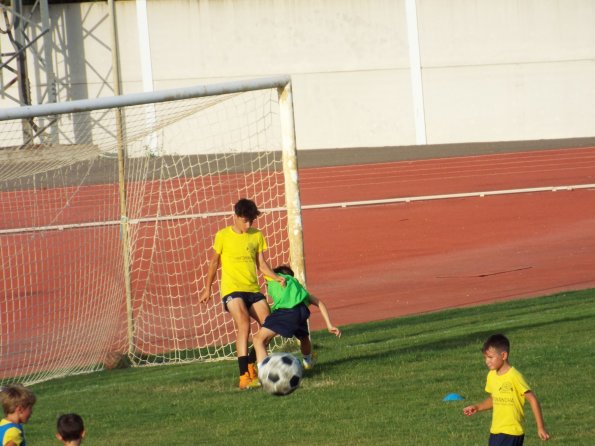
(306, 348)
(252, 363)
(305, 345)
(261, 340)
(303, 334)
(241, 318)
(258, 311)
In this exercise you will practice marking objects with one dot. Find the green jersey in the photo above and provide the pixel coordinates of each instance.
(289, 296)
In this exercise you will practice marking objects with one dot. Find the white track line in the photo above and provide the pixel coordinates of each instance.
(343, 204)
(447, 196)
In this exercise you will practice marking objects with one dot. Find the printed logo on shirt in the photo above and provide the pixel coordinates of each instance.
(506, 387)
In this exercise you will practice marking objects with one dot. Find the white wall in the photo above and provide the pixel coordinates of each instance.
(508, 70)
(491, 70)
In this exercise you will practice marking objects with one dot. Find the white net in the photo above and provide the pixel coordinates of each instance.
(64, 245)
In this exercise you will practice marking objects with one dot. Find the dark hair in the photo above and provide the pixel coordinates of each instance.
(498, 341)
(70, 427)
(247, 209)
(283, 269)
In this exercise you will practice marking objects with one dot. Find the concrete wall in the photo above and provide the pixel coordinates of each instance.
(508, 70)
(491, 70)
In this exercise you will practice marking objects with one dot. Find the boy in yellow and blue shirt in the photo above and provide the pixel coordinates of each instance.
(508, 391)
(17, 403)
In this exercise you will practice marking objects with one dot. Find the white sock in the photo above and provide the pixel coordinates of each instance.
(308, 358)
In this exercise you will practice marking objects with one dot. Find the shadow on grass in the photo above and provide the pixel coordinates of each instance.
(475, 338)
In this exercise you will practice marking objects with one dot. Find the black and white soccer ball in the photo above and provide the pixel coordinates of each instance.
(280, 373)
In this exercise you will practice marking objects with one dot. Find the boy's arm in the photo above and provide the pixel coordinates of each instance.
(265, 269)
(486, 404)
(320, 304)
(13, 437)
(536, 408)
(211, 275)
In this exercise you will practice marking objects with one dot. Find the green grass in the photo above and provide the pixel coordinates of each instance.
(382, 383)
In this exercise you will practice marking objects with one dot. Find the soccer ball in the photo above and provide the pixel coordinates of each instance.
(280, 373)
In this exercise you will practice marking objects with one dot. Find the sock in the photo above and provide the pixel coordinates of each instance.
(308, 358)
(252, 356)
(243, 364)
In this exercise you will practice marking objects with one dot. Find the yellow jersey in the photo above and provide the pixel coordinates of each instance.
(238, 259)
(508, 398)
(11, 432)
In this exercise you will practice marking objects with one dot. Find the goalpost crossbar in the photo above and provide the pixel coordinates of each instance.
(110, 207)
(149, 97)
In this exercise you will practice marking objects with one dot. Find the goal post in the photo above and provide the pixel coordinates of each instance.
(108, 222)
(292, 188)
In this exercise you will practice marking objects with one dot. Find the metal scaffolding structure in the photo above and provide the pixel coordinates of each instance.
(29, 35)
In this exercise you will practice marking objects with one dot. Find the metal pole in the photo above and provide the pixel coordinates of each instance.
(47, 50)
(49, 64)
(124, 226)
(144, 41)
(173, 94)
(292, 191)
(415, 72)
(115, 52)
(21, 60)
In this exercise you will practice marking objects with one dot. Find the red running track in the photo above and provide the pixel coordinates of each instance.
(377, 262)
(382, 261)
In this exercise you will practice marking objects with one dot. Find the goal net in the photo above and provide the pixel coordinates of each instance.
(108, 219)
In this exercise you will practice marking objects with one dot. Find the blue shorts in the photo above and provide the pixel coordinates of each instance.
(289, 322)
(506, 440)
(248, 298)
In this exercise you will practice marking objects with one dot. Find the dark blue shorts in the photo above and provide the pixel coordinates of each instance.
(289, 322)
(506, 440)
(248, 298)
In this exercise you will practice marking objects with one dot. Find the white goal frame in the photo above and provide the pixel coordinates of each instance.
(289, 160)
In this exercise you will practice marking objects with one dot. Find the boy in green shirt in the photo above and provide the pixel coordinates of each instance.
(289, 316)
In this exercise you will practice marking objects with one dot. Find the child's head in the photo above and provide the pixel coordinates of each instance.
(495, 352)
(283, 269)
(498, 342)
(70, 427)
(247, 209)
(17, 401)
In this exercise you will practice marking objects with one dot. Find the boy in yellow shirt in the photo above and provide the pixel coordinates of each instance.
(240, 251)
(17, 403)
(508, 391)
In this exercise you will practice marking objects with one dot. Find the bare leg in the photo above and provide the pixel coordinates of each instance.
(261, 340)
(241, 318)
(305, 345)
(259, 311)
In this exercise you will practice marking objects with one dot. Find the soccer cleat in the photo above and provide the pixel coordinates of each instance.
(252, 371)
(246, 382)
(309, 365)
